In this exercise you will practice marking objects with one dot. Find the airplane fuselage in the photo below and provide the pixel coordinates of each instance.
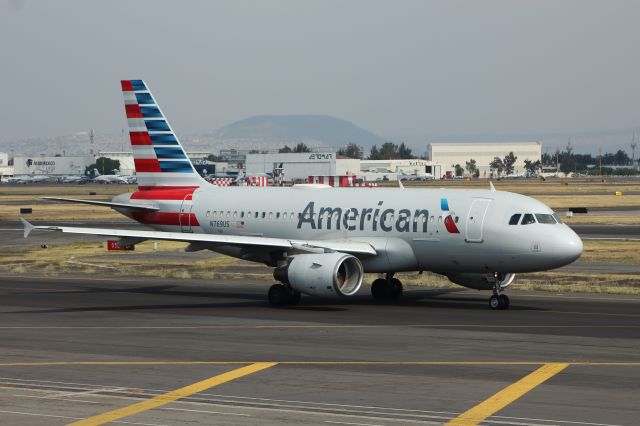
(442, 230)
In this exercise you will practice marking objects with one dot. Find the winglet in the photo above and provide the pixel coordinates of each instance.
(493, 188)
(28, 227)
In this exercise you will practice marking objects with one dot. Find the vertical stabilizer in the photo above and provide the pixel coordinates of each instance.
(160, 160)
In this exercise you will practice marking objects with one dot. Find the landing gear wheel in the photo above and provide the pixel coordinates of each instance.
(380, 289)
(396, 288)
(504, 301)
(279, 295)
(294, 297)
(499, 301)
(494, 302)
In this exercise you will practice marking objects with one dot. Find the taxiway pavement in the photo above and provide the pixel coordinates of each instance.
(74, 348)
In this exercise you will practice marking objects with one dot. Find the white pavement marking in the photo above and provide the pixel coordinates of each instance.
(71, 418)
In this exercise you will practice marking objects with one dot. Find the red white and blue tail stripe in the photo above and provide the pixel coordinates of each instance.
(160, 160)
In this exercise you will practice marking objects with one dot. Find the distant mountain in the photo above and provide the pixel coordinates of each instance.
(321, 129)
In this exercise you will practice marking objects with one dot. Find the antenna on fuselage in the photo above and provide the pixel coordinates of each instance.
(493, 188)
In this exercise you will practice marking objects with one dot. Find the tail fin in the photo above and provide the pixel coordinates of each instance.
(159, 158)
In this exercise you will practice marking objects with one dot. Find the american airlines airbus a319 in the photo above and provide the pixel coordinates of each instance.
(321, 240)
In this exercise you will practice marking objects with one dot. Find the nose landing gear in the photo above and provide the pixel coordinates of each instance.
(499, 300)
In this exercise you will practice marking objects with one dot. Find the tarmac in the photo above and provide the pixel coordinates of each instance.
(170, 352)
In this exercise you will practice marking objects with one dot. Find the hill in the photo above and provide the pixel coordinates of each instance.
(322, 129)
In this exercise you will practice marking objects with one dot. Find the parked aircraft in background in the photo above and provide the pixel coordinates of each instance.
(321, 240)
(29, 179)
(98, 178)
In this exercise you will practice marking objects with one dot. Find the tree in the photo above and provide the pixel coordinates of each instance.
(508, 162)
(459, 170)
(532, 167)
(404, 152)
(472, 167)
(390, 151)
(351, 150)
(301, 147)
(285, 150)
(497, 165)
(213, 158)
(104, 165)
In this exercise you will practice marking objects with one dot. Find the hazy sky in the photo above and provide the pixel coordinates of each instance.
(393, 67)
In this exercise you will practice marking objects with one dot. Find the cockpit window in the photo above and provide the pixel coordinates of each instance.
(515, 219)
(545, 218)
(528, 219)
(557, 218)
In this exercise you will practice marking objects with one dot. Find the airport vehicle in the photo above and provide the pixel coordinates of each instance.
(321, 240)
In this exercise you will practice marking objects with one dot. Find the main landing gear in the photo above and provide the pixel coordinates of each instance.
(499, 300)
(388, 288)
(283, 295)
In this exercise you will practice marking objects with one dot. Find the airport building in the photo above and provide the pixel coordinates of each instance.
(450, 154)
(394, 169)
(5, 168)
(51, 165)
(299, 166)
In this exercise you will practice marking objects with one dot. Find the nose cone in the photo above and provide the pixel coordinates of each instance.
(568, 247)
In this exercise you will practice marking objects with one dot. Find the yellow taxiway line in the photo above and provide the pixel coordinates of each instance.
(174, 395)
(507, 395)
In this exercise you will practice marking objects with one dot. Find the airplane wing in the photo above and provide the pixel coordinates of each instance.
(351, 247)
(103, 203)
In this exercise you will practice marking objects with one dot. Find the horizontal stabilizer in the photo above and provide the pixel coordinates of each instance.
(103, 203)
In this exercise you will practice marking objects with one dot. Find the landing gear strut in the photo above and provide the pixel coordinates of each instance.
(388, 288)
(499, 300)
(282, 295)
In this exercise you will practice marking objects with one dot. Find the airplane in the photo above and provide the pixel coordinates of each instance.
(322, 240)
(26, 179)
(98, 178)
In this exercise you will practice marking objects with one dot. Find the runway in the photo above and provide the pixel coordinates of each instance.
(102, 349)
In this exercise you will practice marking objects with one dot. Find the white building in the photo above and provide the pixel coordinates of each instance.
(372, 169)
(5, 168)
(299, 166)
(127, 166)
(51, 165)
(450, 154)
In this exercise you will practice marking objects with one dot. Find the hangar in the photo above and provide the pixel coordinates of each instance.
(301, 165)
(450, 154)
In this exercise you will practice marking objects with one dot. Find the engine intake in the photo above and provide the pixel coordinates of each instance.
(324, 274)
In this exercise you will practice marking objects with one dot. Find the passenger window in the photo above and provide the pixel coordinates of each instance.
(256, 215)
(430, 219)
(515, 219)
(242, 214)
(264, 214)
(456, 220)
(270, 215)
(278, 215)
(545, 218)
(528, 219)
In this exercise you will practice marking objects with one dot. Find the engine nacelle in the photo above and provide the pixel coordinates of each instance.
(323, 274)
(480, 281)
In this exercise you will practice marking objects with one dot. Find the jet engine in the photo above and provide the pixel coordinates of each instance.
(480, 281)
(323, 274)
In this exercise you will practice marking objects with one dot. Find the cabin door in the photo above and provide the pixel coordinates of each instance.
(475, 220)
(185, 213)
